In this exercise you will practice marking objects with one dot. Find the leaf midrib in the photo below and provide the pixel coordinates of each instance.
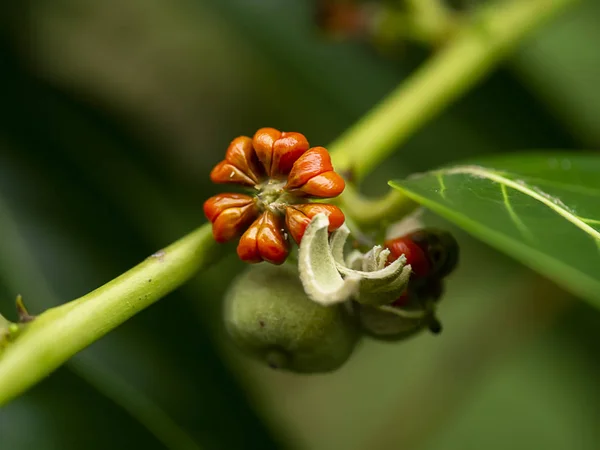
(482, 172)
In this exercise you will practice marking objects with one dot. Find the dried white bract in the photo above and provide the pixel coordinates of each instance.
(328, 277)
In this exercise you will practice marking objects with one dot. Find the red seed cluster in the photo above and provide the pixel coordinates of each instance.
(285, 173)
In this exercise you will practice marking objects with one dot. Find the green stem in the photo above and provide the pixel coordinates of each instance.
(18, 269)
(463, 62)
(60, 332)
(375, 213)
(429, 21)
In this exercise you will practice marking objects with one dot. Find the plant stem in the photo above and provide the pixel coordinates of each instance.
(429, 21)
(19, 270)
(375, 213)
(60, 332)
(472, 54)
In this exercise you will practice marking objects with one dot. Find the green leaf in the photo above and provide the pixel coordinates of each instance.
(542, 209)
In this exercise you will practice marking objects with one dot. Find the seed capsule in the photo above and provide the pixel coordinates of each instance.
(284, 174)
(415, 256)
(286, 151)
(278, 151)
(240, 154)
(230, 214)
(297, 218)
(313, 175)
(263, 241)
(431, 252)
(268, 314)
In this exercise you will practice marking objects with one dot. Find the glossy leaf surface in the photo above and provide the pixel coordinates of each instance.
(543, 209)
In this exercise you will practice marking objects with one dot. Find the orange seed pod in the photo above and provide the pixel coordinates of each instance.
(297, 218)
(326, 185)
(219, 203)
(312, 163)
(240, 154)
(286, 150)
(230, 214)
(263, 143)
(225, 172)
(264, 241)
(283, 171)
(313, 175)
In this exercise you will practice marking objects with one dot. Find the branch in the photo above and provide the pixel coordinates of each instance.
(19, 269)
(61, 332)
(462, 63)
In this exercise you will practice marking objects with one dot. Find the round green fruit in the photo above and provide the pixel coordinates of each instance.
(268, 314)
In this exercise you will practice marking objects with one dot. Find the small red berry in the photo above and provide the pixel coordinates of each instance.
(440, 247)
(402, 300)
(415, 256)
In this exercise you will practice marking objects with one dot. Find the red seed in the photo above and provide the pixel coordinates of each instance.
(415, 256)
(402, 300)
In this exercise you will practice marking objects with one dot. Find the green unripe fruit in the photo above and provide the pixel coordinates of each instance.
(268, 314)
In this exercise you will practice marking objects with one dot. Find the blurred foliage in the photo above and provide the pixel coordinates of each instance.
(112, 114)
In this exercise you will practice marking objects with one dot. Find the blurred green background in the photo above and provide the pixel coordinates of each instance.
(113, 113)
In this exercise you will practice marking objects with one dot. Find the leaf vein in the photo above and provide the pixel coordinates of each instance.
(535, 193)
(440, 178)
(526, 232)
